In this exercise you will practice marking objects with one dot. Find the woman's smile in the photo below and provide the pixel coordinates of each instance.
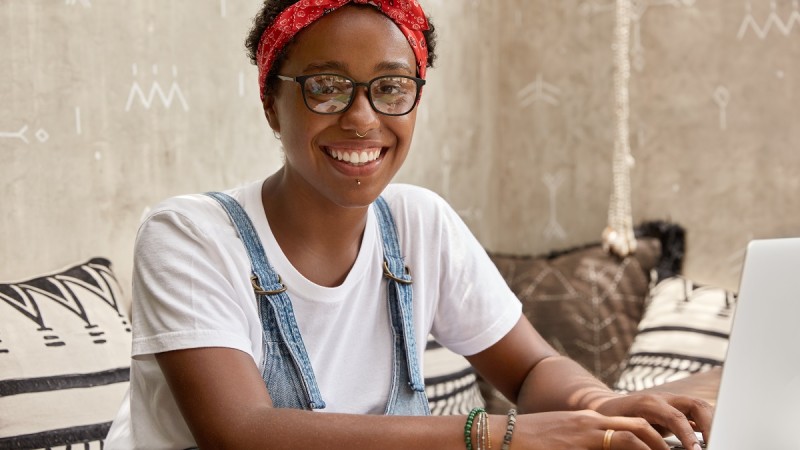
(355, 159)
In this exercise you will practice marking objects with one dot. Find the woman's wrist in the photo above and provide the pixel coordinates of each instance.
(596, 401)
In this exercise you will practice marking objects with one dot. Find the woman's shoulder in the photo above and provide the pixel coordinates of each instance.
(199, 204)
(194, 211)
(185, 204)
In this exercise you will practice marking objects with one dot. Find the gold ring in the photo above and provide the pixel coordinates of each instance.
(361, 135)
(607, 439)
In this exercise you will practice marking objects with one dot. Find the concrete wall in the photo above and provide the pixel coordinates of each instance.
(110, 106)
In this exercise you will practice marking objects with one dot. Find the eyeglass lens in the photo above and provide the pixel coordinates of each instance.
(328, 94)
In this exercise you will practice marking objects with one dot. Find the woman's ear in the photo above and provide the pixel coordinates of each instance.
(270, 113)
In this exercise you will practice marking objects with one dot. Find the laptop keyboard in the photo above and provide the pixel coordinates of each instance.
(675, 444)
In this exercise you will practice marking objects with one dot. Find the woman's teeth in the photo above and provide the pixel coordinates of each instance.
(351, 157)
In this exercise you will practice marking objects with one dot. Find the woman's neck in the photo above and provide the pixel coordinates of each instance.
(320, 239)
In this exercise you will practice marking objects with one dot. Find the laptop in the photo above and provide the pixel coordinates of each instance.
(758, 405)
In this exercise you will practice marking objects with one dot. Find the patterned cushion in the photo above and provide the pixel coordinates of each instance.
(684, 330)
(450, 381)
(64, 357)
(585, 302)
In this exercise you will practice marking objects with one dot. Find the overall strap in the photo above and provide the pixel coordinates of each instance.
(399, 291)
(269, 289)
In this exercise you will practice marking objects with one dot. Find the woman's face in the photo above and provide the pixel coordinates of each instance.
(360, 43)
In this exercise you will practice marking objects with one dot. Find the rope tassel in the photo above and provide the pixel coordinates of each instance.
(618, 235)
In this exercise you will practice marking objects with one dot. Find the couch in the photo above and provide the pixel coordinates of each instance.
(633, 322)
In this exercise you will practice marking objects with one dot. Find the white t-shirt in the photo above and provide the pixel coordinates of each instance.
(191, 288)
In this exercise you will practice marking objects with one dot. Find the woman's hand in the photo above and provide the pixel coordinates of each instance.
(527, 370)
(668, 413)
(582, 430)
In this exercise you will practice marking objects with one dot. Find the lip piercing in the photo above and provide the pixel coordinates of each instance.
(358, 182)
(361, 135)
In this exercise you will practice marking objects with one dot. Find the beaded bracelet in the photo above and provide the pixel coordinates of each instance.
(479, 431)
(488, 434)
(468, 426)
(484, 441)
(512, 420)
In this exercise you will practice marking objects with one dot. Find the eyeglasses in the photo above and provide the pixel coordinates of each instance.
(328, 93)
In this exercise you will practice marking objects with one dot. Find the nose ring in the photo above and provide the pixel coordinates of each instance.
(361, 135)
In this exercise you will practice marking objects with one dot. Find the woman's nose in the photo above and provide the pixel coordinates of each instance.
(360, 115)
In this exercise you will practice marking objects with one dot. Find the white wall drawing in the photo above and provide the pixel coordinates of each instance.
(539, 91)
(16, 134)
(174, 91)
(773, 21)
(553, 230)
(41, 135)
(78, 129)
(722, 96)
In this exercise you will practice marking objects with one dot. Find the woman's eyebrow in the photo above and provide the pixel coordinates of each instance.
(325, 65)
(394, 65)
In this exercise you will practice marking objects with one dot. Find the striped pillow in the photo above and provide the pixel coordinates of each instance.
(64, 357)
(684, 330)
(450, 381)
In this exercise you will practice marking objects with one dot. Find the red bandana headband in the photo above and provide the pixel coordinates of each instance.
(407, 14)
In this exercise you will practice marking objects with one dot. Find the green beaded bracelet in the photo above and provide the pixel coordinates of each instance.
(468, 426)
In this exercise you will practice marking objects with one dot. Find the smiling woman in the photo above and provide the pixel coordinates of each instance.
(292, 312)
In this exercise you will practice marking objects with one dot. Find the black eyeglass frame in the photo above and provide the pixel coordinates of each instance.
(301, 80)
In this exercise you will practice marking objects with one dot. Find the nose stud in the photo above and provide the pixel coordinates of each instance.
(361, 135)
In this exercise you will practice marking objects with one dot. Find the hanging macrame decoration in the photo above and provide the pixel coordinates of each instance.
(618, 236)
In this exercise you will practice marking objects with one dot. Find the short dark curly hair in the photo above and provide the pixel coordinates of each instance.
(271, 9)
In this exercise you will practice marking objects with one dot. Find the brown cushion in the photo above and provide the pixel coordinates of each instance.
(585, 302)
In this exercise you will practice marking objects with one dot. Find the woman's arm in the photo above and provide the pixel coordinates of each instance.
(226, 405)
(527, 370)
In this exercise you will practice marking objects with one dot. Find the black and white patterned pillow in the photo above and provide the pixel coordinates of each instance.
(450, 381)
(64, 358)
(684, 330)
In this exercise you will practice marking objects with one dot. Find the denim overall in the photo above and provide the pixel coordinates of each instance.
(286, 368)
